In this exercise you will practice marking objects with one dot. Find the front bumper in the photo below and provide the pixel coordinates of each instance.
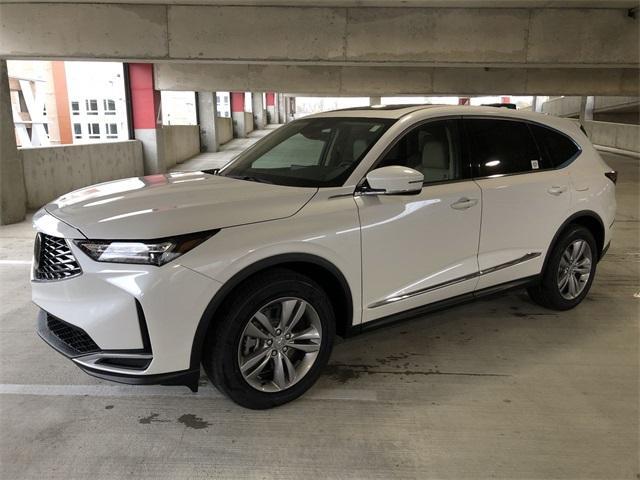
(141, 319)
(117, 366)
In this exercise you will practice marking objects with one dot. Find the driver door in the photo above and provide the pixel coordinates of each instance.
(421, 248)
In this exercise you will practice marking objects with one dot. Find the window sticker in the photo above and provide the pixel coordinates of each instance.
(535, 165)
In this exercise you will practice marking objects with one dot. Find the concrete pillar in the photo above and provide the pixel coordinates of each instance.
(270, 98)
(145, 110)
(13, 197)
(282, 116)
(259, 114)
(375, 101)
(289, 108)
(237, 114)
(536, 104)
(586, 108)
(207, 113)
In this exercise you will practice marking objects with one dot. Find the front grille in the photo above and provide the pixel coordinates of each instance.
(73, 337)
(53, 259)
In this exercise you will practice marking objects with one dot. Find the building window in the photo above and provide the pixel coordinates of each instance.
(111, 129)
(94, 130)
(109, 107)
(77, 130)
(92, 107)
(75, 108)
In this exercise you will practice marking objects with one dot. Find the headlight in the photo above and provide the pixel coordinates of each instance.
(148, 252)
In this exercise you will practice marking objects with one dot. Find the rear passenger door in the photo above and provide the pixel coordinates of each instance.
(524, 198)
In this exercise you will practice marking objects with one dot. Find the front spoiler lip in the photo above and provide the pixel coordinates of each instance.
(189, 378)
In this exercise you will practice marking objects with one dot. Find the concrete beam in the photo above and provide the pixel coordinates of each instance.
(375, 81)
(520, 37)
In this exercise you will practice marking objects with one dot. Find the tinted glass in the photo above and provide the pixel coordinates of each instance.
(556, 147)
(431, 148)
(502, 146)
(315, 152)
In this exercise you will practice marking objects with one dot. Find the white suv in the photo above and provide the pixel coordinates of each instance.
(334, 223)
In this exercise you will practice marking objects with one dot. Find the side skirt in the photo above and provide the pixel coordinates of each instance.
(443, 304)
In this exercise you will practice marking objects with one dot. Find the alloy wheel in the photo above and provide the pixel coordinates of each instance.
(574, 269)
(279, 344)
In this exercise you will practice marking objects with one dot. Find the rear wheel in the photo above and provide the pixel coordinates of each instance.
(569, 272)
(274, 336)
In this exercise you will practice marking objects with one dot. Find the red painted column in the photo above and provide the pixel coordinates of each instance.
(145, 112)
(271, 99)
(505, 99)
(237, 102)
(145, 99)
(237, 114)
(272, 112)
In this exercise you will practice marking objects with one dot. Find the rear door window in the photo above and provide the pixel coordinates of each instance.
(501, 147)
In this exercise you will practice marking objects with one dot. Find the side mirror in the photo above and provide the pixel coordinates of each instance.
(394, 180)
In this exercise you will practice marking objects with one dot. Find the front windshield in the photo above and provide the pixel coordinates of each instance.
(310, 152)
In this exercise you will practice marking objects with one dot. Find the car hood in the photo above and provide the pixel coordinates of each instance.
(158, 206)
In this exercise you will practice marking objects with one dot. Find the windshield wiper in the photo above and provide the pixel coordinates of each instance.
(249, 178)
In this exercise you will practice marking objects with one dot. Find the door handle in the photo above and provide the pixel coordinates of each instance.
(557, 190)
(464, 203)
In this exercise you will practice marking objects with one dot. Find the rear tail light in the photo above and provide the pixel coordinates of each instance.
(612, 175)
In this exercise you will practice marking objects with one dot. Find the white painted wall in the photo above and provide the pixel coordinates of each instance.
(55, 170)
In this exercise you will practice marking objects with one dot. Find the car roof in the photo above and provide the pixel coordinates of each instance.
(411, 113)
(399, 111)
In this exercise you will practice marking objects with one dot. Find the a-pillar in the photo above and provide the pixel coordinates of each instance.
(271, 107)
(259, 117)
(375, 101)
(237, 114)
(145, 110)
(13, 197)
(586, 108)
(207, 113)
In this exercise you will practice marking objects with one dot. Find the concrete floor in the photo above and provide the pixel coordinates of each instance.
(227, 152)
(496, 389)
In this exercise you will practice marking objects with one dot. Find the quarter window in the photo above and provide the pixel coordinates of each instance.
(432, 149)
(556, 148)
(502, 147)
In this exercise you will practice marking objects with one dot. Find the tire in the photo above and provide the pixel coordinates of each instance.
(241, 336)
(553, 292)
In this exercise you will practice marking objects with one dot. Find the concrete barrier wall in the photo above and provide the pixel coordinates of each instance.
(615, 135)
(224, 127)
(53, 171)
(180, 143)
(248, 122)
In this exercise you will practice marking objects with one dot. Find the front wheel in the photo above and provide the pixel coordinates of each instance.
(569, 272)
(274, 337)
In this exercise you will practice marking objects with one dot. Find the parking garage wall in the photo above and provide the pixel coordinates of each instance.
(614, 135)
(224, 126)
(180, 143)
(53, 171)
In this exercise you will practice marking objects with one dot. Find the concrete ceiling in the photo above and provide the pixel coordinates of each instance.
(378, 3)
